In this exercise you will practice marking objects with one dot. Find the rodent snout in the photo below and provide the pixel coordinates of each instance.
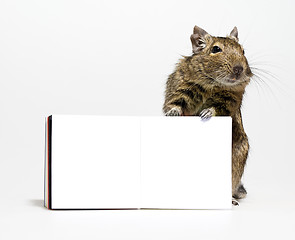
(238, 71)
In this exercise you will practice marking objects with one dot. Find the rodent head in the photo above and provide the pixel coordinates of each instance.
(221, 59)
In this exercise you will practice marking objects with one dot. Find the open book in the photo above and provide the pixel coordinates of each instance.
(116, 162)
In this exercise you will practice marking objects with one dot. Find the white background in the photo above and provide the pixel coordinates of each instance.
(113, 58)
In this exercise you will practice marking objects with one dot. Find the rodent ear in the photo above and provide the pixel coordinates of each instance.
(234, 34)
(199, 39)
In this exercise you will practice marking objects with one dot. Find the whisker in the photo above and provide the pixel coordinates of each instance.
(257, 86)
(272, 79)
(260, 80)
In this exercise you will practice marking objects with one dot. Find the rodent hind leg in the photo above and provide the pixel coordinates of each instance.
(239, 157)
(240, 193)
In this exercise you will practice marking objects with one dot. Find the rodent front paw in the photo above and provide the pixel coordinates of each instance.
(173, 112)
(207, 113)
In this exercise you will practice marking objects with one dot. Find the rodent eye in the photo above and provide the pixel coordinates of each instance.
(216, 49)
(243, 51)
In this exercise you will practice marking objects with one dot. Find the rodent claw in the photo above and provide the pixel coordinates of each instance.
(173, 112)
(235, 202)
(207, 113)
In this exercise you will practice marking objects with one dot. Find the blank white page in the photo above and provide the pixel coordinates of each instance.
(95, 162)
(186, 163)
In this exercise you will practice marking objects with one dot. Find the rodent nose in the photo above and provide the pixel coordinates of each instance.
(238, 70)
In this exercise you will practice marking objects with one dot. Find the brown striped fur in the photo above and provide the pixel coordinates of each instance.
(211, 83)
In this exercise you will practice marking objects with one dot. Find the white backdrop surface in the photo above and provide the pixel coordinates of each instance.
(113, 58)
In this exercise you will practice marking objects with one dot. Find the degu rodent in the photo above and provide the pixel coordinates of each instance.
(212, 82)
